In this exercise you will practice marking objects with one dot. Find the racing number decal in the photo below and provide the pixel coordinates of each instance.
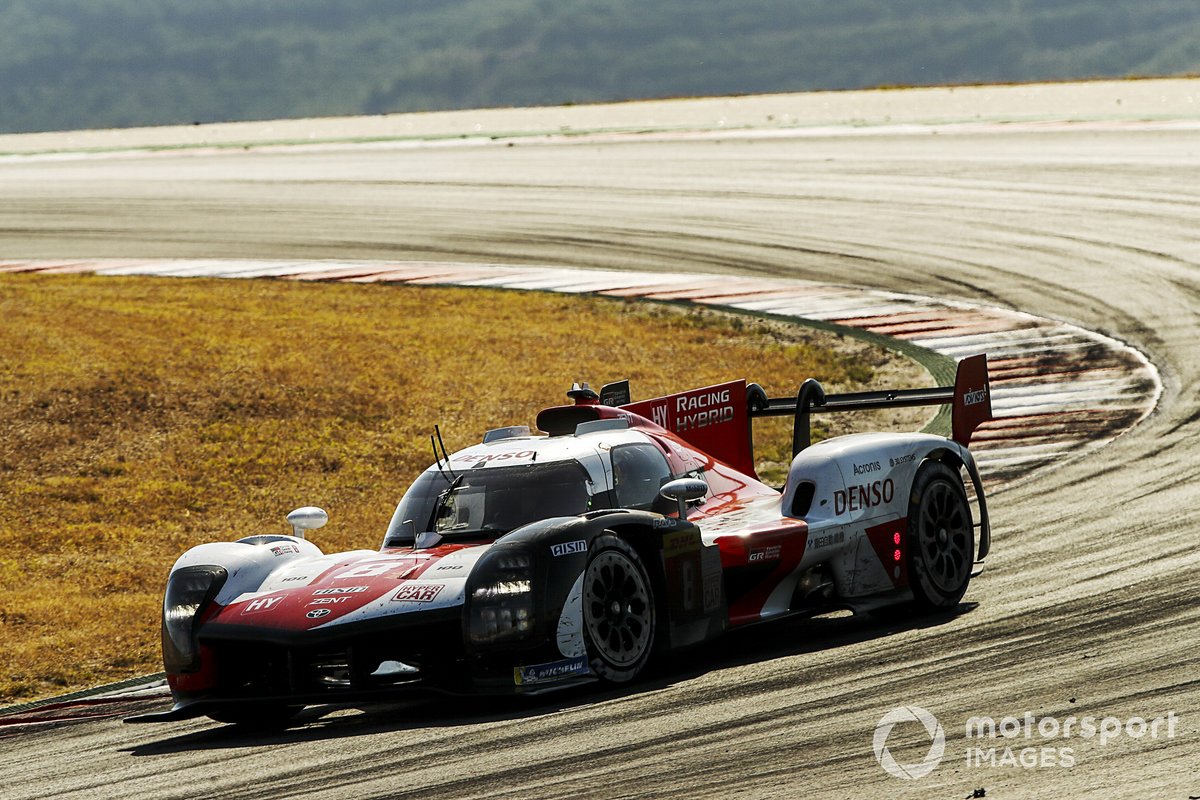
(681, 562)
(687, 572)
(366, 571)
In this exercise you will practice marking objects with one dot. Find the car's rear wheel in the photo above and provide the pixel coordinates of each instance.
(618, 610)
(256, 716)
(941, 538)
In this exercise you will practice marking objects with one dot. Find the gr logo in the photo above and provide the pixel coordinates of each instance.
(937, 746)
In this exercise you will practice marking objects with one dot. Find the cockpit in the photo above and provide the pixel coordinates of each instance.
(486, 503)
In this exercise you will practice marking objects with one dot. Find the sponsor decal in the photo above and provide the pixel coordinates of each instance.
(711, 581)
(418, 592)
(483, 458)
(760, 554)
(691, 410)
(863, 496)
(291, 578)
(703, 400)
(682, 562)
(665, 522)
(680, 542)
(340, 590)
(908, 459)
(327, 601)
(317, 613)
(699, 410)
(828, 540)
(870, 466)
(703, 419)
(568, 548)
(261, 604)
(555, 670)
(615, 394)
(285, 549)
(445, 567)
(975, 397)
(712, 419)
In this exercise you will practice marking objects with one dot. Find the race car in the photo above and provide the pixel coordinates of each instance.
(622, 530)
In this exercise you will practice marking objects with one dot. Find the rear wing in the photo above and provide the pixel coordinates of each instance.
(970, 399)
(718, 419)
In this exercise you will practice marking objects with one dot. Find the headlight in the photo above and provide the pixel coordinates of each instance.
(188, 591)
(500, 600)
(493, 591)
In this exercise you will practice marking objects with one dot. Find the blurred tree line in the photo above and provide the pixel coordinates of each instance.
(113, 63)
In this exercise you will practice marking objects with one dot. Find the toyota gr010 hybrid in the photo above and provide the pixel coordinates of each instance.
(531, 562)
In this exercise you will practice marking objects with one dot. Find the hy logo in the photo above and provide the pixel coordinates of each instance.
(658, 415)
(937, 746)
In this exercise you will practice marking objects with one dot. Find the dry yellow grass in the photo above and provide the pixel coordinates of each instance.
(143, 416)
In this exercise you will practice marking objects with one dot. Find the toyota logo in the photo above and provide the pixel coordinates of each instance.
(318, 613)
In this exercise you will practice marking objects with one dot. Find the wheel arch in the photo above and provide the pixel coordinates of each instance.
(939, 550)
(686, 576)
(641, 537)
(959, 458)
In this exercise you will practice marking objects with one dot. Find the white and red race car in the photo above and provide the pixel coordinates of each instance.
(532, 562)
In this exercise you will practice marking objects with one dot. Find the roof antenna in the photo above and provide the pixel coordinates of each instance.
(445, 455)
(438, 459)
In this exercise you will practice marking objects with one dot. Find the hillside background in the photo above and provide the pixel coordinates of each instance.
(67, 64)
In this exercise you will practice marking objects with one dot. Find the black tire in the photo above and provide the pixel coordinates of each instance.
(941, 537)
(256, 716)
(619, 614)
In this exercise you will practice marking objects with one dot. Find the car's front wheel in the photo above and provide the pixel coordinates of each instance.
(618, 610)
(941, 538)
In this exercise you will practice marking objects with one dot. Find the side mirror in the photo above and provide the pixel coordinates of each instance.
(308, 518)
(682, 491)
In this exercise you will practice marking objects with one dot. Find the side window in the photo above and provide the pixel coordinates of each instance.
(639, 471)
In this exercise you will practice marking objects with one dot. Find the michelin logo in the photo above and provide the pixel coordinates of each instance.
(542, 673)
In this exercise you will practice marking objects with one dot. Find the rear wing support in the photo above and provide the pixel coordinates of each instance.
(970, 398)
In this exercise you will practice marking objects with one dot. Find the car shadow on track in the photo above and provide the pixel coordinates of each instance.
(758, 644)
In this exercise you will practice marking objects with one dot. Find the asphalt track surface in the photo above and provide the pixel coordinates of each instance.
(1088, 605)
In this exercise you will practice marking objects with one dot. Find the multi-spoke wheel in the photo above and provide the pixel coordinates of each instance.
(618, 610)
(941, 538)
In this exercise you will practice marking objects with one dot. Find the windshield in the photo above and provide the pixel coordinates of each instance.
(492, 500)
